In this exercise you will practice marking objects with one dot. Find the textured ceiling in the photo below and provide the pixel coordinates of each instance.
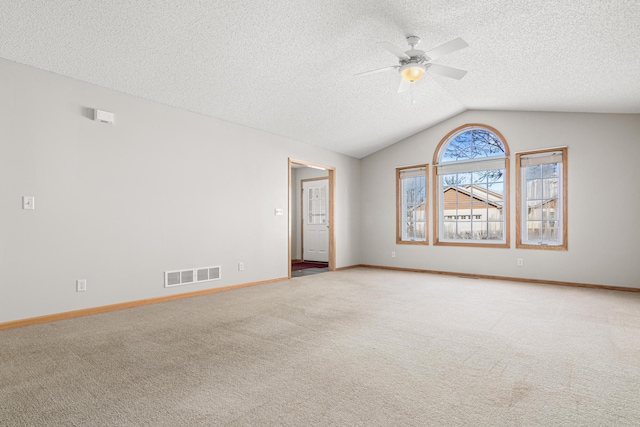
(287, 67)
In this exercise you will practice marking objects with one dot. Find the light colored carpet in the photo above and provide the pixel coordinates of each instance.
(357, 347)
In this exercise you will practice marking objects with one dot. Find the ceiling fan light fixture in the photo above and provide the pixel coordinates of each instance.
(411, 72)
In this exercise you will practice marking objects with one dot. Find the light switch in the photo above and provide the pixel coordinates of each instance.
(28, 202)
(278, 212)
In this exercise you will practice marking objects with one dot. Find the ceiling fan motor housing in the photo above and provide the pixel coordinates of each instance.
(413, 41)
(412, 68)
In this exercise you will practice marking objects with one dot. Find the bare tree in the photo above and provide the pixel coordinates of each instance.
(474, 144)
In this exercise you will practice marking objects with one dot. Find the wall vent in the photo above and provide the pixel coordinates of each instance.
(190, 276)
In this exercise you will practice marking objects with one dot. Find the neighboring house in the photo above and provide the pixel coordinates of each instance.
(472, 212)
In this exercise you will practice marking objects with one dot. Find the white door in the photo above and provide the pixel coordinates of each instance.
(315, 223)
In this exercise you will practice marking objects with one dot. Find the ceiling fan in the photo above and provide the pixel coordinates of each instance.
(415, 62)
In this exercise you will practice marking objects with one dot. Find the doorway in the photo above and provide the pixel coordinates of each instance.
(311, 218)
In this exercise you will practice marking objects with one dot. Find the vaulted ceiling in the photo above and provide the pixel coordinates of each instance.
(287, 67)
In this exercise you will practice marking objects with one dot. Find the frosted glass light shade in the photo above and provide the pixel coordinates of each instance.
(412, 72)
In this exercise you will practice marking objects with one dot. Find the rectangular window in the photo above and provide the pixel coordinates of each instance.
(317, 208)
(542, 199)
(472, 206)
(411, 204)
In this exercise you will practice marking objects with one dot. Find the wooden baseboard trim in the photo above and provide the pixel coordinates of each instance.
(119, 306)
(514, 279)
(136, 303)
(349, 267)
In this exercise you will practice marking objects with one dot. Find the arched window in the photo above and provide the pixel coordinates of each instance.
(471, 204)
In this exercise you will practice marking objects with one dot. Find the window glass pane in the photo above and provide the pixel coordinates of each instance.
(455, 179)
(495, 230)
(479, 230)
(550, 187)
(534, 189)
(479, 212)
(480, 190)
(464, 230)
(473, 144)
(495, 212)
(548, 210)
(450, 199)
(533, 172)
(496, 175)
(550, 231)
(534, 210)
(479, 177)
(449, 230)
(417, 231)
(413, 204)
(534, 230)
(496, 187)
(317, 206)
(550, 170)
(464, 207)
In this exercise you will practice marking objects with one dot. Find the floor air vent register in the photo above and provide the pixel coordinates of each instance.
(191, 276)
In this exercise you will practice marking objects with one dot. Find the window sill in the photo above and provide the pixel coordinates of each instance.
(412, 242)
(542, 247)
(472, 244)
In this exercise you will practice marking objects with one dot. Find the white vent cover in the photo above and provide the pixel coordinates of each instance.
(190, 276)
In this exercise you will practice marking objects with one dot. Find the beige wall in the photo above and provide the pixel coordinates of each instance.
(163, 189)
(603, 155)
(166, 189)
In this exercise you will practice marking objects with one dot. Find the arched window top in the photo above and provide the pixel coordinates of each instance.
(471, 142)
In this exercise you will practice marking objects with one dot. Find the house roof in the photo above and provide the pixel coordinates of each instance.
(288, 68)
(478, 193)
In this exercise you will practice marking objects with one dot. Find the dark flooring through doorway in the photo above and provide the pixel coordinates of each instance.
(306, 268)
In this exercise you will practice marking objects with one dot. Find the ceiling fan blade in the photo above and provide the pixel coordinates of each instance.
(404, 86)
(443, 70)
(394, 49)
(445, 49)
(379, 70)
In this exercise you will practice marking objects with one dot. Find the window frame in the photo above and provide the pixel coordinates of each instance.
(399, 239)
(438, 200)
(562, 195)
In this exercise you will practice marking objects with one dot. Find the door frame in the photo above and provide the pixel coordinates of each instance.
(332, 238)
(302, 181)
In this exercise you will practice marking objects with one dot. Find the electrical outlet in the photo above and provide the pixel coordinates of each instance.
(81, 285)
(393, 254)
(240, 266)
(520, 262)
